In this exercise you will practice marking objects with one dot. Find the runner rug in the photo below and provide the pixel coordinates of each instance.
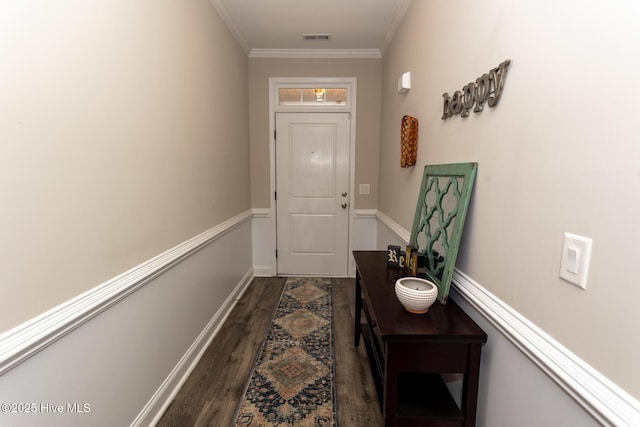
(293, 379)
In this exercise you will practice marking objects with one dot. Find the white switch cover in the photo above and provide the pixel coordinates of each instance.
(576, 254)
(364, 189)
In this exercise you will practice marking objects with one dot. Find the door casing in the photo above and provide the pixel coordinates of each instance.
(275, 83)
(312, 180)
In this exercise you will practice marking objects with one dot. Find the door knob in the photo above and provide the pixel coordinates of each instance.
(344, 206)
(344, 194)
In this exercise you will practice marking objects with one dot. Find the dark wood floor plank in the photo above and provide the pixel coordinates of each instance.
(212, 392)
(357, 400)
(222, 371)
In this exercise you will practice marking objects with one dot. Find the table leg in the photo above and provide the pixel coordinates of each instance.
(389, 404)
(470, 386)
(358, 327)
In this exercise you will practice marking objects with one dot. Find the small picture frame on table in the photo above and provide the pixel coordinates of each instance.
(393, 255)
(409, 257)
(418, 262)
(402, 260)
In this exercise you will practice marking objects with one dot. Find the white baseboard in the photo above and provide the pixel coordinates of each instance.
(23, 341)
(603, 400)
(125, 347)
(157, 405)
(264, 271)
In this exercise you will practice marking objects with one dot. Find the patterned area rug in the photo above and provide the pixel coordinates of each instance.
(293, 380)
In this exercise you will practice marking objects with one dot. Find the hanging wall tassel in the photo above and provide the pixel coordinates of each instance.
(408, 141)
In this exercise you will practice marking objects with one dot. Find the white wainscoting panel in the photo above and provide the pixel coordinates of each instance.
(390, 232)
(365, 226)
(572, 393)
(117, 354)
(526, 377)
(365, 234)
(263, 248)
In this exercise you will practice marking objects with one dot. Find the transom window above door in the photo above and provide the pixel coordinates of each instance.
(321, 96)
(307, 94)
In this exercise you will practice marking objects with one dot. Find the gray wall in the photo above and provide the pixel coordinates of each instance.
(368, 73)
(514, 390)
(122, 125)
(558, 154)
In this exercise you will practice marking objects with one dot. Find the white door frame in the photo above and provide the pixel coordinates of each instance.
(275, 83)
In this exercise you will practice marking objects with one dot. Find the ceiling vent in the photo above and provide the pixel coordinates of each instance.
(321, 37)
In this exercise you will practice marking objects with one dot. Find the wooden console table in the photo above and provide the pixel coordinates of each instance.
(408, 352)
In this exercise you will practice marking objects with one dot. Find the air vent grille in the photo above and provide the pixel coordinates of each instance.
(316, 36)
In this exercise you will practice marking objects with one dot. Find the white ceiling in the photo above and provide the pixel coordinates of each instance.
(275, 28)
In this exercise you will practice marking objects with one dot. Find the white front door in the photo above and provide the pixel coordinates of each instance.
(312, 200)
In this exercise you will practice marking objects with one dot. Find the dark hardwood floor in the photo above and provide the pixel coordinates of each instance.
(211, 393)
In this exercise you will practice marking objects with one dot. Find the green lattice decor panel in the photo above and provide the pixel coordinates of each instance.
(440, 215)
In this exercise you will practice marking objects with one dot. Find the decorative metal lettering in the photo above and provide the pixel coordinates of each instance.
(487, 88)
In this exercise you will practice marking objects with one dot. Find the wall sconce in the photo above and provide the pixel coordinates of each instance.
(404, 83)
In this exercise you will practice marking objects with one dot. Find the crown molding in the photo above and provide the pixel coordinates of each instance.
(400, 11)
(316, 53)
(230, 23)
(395, 23)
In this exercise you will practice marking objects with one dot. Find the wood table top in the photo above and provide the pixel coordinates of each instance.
(442, 323)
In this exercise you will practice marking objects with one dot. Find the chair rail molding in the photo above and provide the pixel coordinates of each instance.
(602, 399)
(394, 226)
(27, 339)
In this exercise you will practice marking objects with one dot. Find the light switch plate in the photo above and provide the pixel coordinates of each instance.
(576, 255)
(364, 189)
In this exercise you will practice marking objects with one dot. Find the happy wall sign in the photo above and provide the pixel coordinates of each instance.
(487, 88)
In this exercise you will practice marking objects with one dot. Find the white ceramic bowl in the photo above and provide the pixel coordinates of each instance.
(416, 294)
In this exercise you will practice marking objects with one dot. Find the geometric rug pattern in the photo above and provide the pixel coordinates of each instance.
(293, 379)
